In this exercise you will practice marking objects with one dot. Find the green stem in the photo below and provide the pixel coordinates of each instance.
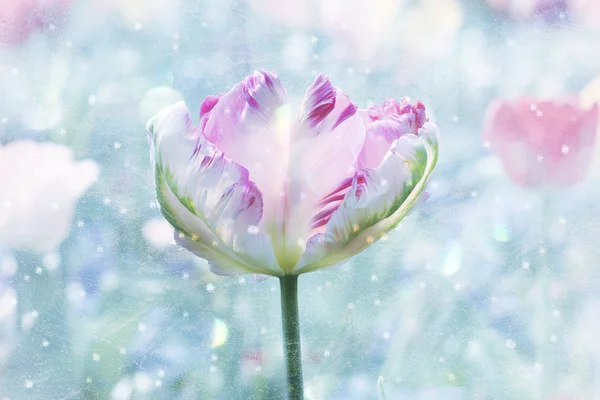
(291, 336)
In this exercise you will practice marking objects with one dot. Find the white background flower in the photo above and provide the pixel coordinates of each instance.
(39, 185)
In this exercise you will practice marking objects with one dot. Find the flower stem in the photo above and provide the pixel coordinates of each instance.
(291, 336)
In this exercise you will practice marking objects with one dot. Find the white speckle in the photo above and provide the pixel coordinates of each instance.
(123, 211)
(542, 250)
(326, 353)
(377, 302)
(533, 107)
(158, 383)
(455, 118)
(62, 132)
(161, 372)
(367, 70)
(525, 265)
(99, 249)
(80, 224)
(26, 278)
(387, 335)
(374, 277)
(384, 182)
(540, 158)
(253, 229)
(457, 286)
(564, 149)
(51, 261)
(263, 331)
(107, 200)
(185, 275)
(122, 351)
(210, 287)
(45, 343)
(214, 358)
(314, 39)
(473, 194)
(175, 47)
(117, 145)
(422, 285)
(510, 344)
(96, 357)
(186, 314)
(537, 366)
(539, 113)
(28, 384)
(89, 379)
(215, 243)
(141, 327)
(213, 368)
(35, 314)
(241, 280)
(441, 360)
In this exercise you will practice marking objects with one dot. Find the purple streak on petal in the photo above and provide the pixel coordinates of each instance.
(323, 217)
(356, 185)
(342, 188)
(319, 100)
(263, 92)
(347, 113)
(209, 103)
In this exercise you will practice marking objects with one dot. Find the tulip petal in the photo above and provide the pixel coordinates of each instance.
(208, 198)
(385, 124)
(326, 140)
(243, 125)
(377, 201)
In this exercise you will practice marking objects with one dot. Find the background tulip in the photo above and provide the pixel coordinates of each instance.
(39, 185)
(542, 143)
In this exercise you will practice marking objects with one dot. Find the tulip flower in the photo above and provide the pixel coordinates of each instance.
(542, 143)
(253, 190)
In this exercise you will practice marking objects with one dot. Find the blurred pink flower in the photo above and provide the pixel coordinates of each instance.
(542, 142)
(19, 18)
(39, 185)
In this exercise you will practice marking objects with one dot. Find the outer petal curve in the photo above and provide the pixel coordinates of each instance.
(208, 198)
(374, 207)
